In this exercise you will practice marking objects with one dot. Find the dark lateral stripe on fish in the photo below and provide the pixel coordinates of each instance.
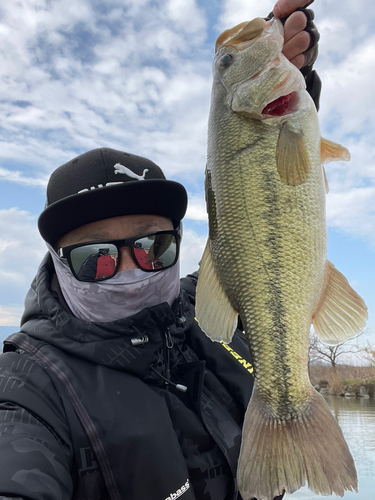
(211, 207)
(276, 307)
(274, 244)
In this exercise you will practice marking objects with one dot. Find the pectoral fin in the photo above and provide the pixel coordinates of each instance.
(214, 312)
(292, 161)
(342, 313)
(331, 151)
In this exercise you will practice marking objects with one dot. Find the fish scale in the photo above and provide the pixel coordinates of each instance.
(265, 260)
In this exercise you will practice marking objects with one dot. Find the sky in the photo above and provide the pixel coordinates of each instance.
(135, 75)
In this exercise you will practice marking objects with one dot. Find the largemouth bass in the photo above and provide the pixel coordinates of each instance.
(265, 260)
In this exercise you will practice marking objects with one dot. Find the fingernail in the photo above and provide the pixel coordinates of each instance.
(277, 12)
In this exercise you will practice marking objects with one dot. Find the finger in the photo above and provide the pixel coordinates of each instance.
(311, 56)
(314, 34)
(283, 8)
(309, 13)
(294, 24)
(298, 61)
(296, 45)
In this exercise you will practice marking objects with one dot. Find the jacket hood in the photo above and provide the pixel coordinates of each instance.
(132, 344)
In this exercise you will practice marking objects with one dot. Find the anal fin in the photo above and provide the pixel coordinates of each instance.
(214, 312)
(341, 313)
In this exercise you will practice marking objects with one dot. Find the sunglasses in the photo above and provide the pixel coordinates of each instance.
(100, 260)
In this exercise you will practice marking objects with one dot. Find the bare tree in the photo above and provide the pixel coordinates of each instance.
(369, 353)
(330, 354)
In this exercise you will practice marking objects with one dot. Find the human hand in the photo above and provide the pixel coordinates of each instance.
(301, 39)
(300, 34)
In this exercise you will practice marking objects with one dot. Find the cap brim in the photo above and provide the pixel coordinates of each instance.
(153, 196)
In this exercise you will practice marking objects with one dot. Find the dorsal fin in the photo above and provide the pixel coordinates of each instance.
(331, 151)
(243, 32)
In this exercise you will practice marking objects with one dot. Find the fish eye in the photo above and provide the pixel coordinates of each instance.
(226, 60)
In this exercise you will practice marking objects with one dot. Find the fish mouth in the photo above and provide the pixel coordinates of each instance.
(283, 105)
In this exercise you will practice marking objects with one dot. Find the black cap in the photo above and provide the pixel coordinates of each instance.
(105, 183)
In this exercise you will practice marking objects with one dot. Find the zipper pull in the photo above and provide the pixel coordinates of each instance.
(168, 345)
(168, 339)
(167, 376)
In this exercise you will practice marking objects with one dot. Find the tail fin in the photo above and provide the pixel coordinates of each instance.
(279, 454)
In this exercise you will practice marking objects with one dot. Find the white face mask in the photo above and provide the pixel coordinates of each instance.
(121, 296)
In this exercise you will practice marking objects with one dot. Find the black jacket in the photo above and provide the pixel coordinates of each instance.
(86, 414)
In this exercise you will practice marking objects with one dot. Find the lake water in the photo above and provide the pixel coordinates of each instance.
(356, 417)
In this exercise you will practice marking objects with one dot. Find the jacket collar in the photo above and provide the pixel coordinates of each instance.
(132, 344)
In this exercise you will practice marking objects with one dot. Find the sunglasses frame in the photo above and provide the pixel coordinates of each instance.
(124, 242)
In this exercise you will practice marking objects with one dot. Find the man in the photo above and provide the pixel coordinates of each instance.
(110, 390)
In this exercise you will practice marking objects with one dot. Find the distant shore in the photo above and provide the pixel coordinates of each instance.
(343, 380)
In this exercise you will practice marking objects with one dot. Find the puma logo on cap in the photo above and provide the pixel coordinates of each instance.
(121, 169)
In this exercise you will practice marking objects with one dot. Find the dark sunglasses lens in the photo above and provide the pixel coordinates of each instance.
(155, 251)
(94, 262)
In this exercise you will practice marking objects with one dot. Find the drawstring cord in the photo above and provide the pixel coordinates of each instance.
(167, 378)
(142, 339)
(182, 353)
(179, 387)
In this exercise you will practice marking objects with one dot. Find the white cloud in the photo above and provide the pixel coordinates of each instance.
(90, 76)
(21, 249)
(346, 65)
(191, 251)
(348, 90)
(336, 34)
(238, 11)
(186, 14)
(19, 178)
(196, 208)
(353, 211)
(10, 316)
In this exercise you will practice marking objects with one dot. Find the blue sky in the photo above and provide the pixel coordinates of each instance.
(135, 75)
